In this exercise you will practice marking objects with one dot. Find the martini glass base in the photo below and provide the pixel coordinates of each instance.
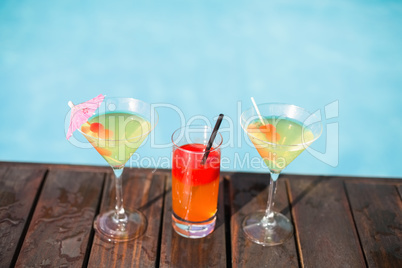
(109, 229)
(270, 234)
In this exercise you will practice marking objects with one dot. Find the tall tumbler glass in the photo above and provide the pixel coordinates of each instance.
(195, 183)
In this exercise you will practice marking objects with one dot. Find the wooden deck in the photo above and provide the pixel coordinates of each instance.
(46, 215)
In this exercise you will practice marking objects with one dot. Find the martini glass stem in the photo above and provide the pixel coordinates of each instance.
(120, 214)
(269, 213)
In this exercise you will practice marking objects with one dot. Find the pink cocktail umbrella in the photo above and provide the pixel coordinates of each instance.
(81, 112)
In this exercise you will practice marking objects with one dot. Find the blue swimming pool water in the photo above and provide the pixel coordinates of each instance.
(201, 58)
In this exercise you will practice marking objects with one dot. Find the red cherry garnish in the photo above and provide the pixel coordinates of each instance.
(97, 127)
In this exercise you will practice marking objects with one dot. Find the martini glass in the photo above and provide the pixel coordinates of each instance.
(118, 128)
(280, 133)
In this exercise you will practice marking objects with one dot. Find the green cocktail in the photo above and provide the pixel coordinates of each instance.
(116, 136)
(116, 131)
(279, 132)
(279, 140)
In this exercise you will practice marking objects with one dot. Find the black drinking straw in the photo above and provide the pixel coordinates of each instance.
(212, 138)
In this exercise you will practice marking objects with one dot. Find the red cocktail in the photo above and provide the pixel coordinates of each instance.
(195, 185)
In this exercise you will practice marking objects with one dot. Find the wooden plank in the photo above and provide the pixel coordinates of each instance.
(178, 251)
(143, 191)
(371, 180)
(248, 193)
(61, 225)
(324, 225)
(18, 190)
(105, 169)
(377, 210)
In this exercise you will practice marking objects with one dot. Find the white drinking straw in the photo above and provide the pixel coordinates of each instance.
(258, 111)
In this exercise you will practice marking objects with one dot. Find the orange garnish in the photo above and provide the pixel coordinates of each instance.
(106, 134)
(267, 128)
(278, 137)
(103, 151)
(85, 128)
(270, 132)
